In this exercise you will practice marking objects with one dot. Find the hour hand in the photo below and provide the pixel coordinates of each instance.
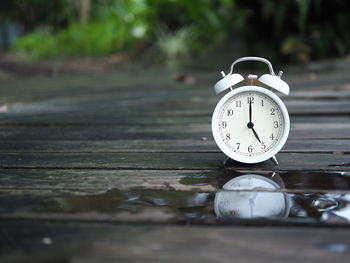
(256, 135)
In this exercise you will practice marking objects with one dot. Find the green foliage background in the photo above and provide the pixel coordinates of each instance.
(292, 30)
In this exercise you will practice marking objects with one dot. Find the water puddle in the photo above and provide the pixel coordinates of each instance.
(340, 165)
(261, 202)
(303, 180)
(265, 197)
(335, 247)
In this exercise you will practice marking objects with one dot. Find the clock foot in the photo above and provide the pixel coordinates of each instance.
(274, 160)
(225, 161)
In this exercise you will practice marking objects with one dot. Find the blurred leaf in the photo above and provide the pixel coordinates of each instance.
(303, 6)
(296, 47)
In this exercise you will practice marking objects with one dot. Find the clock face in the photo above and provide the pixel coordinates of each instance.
(250, 124)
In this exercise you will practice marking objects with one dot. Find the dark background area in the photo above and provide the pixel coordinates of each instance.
(172, 33)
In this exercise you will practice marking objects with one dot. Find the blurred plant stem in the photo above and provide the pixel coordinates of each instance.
(174, 46)
(83, 10)
(4, 45)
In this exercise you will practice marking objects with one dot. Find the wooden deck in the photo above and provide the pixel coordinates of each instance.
(122, 167)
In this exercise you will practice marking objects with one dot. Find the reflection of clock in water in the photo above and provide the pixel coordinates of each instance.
(251, 204)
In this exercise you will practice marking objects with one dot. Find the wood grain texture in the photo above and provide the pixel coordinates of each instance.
(105, 94)
(340, 146)
(157, 132)
(85, 181)
(186, 105)
(173, 207)
(196, 161)
(113, 119)
(74, 242)
(80, 155)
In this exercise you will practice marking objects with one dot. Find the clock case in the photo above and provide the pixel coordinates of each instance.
(271, 80)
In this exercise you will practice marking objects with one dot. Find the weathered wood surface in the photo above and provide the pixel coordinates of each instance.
(78, 151)
(100, 181)
(137, 243)
(133, 132)
(167, 161)
(144, 146)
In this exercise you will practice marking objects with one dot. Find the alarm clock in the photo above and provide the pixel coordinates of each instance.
(237, 200)
(250, 124)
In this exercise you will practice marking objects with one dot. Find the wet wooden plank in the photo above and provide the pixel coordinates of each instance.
(85, 181)
(287, 161)
(48, 241)
(124, 80)
(99, 181)
(327, 93)
(97, 119)
(161, 105)
(125, 196)
(91, 94)
(340, 146)
(160, 132)
(311, 207)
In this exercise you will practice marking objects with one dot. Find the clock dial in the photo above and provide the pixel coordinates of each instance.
(250, 124)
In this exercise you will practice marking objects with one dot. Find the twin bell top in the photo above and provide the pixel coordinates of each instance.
(272, 80)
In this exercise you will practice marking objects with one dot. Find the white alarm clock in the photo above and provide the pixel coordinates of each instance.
(250, 124)
(239, 200)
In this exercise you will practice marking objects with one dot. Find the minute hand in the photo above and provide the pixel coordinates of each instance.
(250, 110)
(251, 124)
